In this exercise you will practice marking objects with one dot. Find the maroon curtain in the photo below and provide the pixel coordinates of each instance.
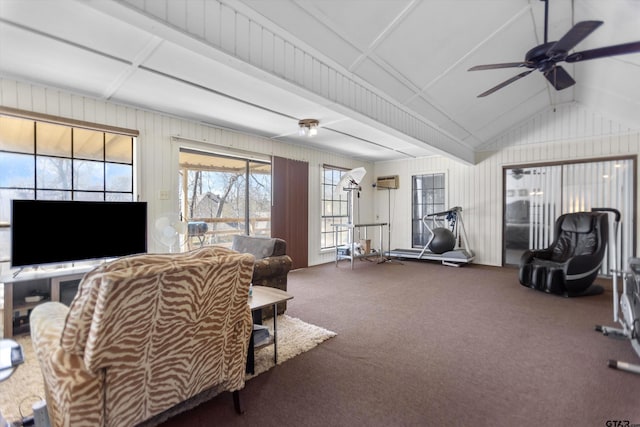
(290, 208)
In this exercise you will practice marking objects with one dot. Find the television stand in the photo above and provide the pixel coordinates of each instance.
(60, 284)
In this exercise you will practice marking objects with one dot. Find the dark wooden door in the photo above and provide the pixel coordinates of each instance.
(290, 208)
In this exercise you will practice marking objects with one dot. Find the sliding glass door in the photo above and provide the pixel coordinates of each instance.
(535, 196)
(231, 195)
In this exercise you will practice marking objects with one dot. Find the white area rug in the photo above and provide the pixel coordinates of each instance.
(294, 337)
(25, 387)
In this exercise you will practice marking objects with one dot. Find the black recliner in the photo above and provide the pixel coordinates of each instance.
(570, 265)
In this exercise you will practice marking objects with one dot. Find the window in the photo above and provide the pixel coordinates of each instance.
(536, 196)
(335, 208)
(231, 195)
(427, 197)
(43, 160)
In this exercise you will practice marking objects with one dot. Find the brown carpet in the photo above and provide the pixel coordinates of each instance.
(421, 344)
(26, 386)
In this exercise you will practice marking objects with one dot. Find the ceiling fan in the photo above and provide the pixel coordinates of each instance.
(546, 56)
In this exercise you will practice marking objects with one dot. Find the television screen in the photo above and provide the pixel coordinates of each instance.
(54, 231)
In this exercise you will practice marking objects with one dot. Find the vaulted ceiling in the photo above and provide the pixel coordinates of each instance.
(387, 79)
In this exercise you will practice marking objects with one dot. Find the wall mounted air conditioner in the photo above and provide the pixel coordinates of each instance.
(388, 182)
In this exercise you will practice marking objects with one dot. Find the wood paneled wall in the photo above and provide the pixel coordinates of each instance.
(477, 188)
(549, 137)
(157, 168)
(230, 31)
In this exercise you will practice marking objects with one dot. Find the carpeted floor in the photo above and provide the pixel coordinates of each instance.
(25, 386)
(422, 344)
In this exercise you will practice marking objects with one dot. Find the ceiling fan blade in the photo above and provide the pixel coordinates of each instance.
(495, 66)
(504, 83)
(574, 36)
(559, 78)
(619, 49)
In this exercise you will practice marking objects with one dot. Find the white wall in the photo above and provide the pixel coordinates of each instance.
(154, 149)
(568, 133)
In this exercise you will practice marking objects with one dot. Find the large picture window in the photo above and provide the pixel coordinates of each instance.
(535, 196)
(335, 208)
(43, 160)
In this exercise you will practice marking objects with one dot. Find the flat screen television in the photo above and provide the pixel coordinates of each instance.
(56, 232)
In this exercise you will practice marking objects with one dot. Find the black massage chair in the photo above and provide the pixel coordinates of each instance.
(570, 265)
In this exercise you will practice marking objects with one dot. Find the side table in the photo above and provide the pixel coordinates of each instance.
(264, 296)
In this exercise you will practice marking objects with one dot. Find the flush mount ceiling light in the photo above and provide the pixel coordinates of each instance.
(308, 127)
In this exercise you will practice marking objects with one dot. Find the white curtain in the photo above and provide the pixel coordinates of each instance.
(579, 187)
(604, 184)
(544, 204)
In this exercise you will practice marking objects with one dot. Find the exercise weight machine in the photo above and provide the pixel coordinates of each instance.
(626, 303)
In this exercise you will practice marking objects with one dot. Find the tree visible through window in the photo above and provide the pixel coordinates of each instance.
(230, 195)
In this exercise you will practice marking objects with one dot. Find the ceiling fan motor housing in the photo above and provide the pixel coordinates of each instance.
(537, 57)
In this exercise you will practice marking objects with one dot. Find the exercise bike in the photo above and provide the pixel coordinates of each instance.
(626, 305)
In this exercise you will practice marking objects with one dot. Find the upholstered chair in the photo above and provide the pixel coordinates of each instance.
(571, 263)
(272, 264)
(143, 334)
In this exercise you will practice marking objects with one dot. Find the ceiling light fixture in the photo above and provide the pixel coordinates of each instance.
(308, 127)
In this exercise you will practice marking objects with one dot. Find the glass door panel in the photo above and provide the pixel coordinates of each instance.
(230, 195)
(260, 200)
(536, 196)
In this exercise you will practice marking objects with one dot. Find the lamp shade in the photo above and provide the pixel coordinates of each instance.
(308, 127)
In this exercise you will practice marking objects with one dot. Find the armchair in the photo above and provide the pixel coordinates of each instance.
(143, 334)
(272, 264)
(570, 265)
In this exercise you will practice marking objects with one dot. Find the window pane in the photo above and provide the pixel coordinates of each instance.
(96, 197)
(18, 170)
(88, 144)
(5, 218)
(5, 201)
(428, 197)
(418, 231)
(260, 199)
(119, 197)
(218, 190)
(326, 191)
(236, 202)
(119, 177)
(53, 140)
(5, 244)
(118, 148)
(16, 134)
(53, 173)
(327, 176)
(438, 196)
(54, 195)
(88, 175)
(334, 208)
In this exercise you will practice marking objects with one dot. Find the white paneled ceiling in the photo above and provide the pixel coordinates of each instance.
(387, 79)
